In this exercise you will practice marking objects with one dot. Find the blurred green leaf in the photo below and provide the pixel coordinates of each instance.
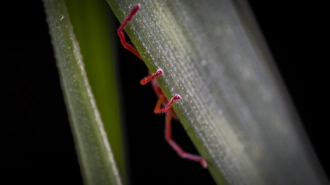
(94, 152)
(95, 31)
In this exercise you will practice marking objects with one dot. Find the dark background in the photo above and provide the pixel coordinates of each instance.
(36, 144)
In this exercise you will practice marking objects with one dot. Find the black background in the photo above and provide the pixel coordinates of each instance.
(36, 144)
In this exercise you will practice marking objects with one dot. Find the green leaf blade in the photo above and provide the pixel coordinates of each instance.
(233, 106)
(94, 152)
(96, 34)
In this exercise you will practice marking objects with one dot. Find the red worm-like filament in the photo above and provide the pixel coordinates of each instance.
(162, 101)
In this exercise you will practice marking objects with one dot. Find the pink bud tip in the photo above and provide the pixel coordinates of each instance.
(204, 164)
(136, 8)
(177, 97)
